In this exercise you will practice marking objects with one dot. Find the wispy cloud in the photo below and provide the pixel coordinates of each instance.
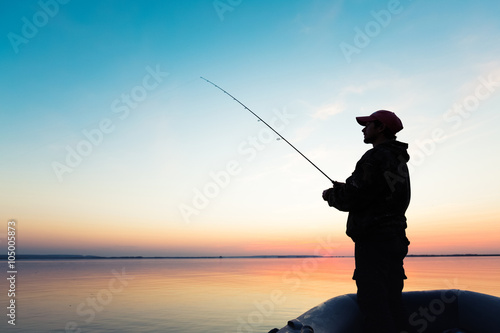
(329, 110)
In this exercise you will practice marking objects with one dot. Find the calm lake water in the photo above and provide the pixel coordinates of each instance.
(204, 295)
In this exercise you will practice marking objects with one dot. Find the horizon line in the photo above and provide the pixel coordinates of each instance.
(79, 256)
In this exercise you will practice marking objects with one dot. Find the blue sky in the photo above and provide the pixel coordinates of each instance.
(118, 83)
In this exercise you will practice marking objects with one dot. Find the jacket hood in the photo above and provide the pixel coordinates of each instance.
(397, 148)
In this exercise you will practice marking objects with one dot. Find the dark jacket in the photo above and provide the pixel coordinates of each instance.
(377, 193)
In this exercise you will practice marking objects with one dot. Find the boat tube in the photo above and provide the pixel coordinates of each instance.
(434, 311)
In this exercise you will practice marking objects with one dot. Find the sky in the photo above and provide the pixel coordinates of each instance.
(112, 144)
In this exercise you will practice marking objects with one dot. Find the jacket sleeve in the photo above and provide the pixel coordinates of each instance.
(336, 197)
(354, 193)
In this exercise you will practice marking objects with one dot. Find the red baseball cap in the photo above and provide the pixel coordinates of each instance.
(388, 118)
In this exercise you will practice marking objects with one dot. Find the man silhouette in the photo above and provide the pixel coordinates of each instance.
(376, 196)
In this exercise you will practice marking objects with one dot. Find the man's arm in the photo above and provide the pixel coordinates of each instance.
(335, 196)
(355, 191)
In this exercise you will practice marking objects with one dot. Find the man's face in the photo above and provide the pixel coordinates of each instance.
(371, 132)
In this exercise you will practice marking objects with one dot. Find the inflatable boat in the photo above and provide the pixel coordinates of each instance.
(435, 311)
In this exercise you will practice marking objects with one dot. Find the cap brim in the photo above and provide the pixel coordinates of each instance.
(363, 120)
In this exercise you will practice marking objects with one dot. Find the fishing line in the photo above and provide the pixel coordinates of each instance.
(262, 120)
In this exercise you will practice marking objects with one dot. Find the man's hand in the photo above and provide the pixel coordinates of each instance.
(335, 196)
(326, 193)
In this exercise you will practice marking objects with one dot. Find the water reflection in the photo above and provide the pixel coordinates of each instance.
(207, 295)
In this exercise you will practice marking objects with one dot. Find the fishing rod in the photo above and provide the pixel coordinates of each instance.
(262, 120)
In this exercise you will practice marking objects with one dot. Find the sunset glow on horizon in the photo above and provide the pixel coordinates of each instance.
(112, 144)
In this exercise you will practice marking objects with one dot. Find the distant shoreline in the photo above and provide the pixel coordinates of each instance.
(87, 257)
